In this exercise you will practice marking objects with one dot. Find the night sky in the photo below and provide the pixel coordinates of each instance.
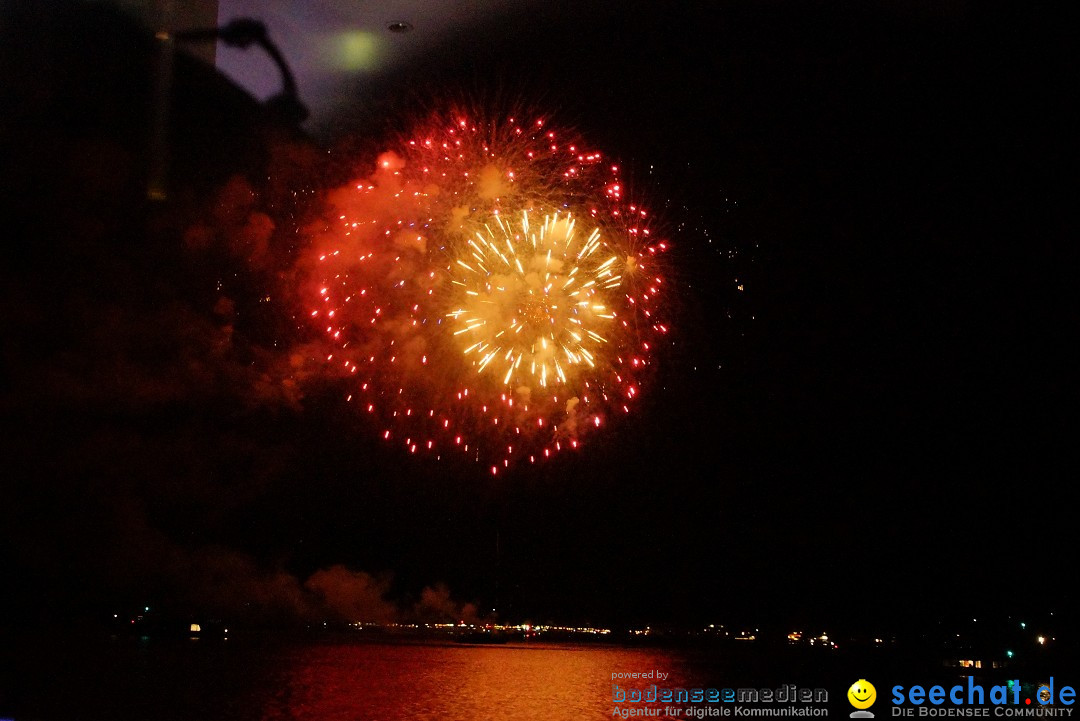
(876, 426)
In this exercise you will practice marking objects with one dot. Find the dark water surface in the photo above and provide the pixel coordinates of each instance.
(246, 678)
(506, 682)
(242, 680)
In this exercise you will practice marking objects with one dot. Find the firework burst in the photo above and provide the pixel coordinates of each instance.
(488, 291)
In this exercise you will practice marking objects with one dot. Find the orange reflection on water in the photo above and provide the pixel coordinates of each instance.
(457, 682)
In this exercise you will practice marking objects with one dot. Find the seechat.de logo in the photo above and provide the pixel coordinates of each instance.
(862, 695)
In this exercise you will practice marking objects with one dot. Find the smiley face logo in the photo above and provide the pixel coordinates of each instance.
(862, 694)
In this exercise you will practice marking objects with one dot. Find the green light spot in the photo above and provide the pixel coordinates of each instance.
(354, 50)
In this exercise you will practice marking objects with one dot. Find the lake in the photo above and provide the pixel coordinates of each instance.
(340, 679)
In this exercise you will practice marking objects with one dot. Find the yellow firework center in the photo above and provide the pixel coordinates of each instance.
(534, 301)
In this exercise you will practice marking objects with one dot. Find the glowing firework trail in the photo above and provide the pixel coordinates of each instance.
(533, 299)
(489, 291)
